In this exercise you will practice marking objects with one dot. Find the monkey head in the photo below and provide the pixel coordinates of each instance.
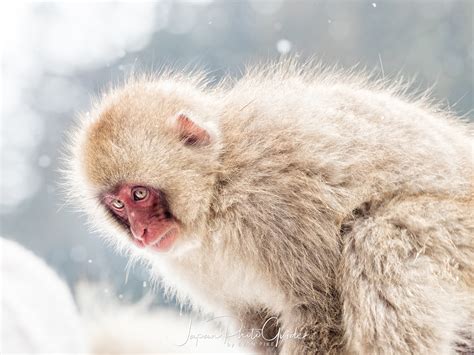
(144, 163)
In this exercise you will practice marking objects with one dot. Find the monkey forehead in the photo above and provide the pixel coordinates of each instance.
(117, 150)
(129, 131)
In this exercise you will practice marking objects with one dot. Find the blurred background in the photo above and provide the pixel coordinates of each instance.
(58, 55)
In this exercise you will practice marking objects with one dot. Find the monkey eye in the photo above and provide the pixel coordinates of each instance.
(118, 204)
(139, 193)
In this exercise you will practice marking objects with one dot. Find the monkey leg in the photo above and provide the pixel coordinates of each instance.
(397, 295)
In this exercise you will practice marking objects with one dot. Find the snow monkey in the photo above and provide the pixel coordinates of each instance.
(339, 205)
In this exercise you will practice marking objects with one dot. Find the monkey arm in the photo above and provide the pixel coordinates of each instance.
(399, 282)
(257, 319)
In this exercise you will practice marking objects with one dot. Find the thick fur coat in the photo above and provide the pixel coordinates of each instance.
(338, 204)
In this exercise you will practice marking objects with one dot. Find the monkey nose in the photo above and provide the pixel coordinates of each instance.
(138, 232)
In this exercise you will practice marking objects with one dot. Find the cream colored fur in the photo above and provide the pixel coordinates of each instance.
(339, 204)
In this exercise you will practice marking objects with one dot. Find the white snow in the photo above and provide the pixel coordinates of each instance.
(39, 314)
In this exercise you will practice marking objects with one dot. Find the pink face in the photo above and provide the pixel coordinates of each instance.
(144, 211)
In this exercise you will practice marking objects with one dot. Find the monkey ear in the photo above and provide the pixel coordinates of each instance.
(190, 132)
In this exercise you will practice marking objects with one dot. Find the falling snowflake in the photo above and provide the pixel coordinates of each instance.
(283, 46)
(44, 161)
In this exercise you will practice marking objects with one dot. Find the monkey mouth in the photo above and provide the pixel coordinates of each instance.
(166, 240)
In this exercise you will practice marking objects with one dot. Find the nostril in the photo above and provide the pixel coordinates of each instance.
(139, 234)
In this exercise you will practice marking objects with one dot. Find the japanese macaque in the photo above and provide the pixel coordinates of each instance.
(341, 206)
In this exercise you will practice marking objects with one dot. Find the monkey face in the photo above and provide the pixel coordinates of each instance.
(144, 211)
(146, 140)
